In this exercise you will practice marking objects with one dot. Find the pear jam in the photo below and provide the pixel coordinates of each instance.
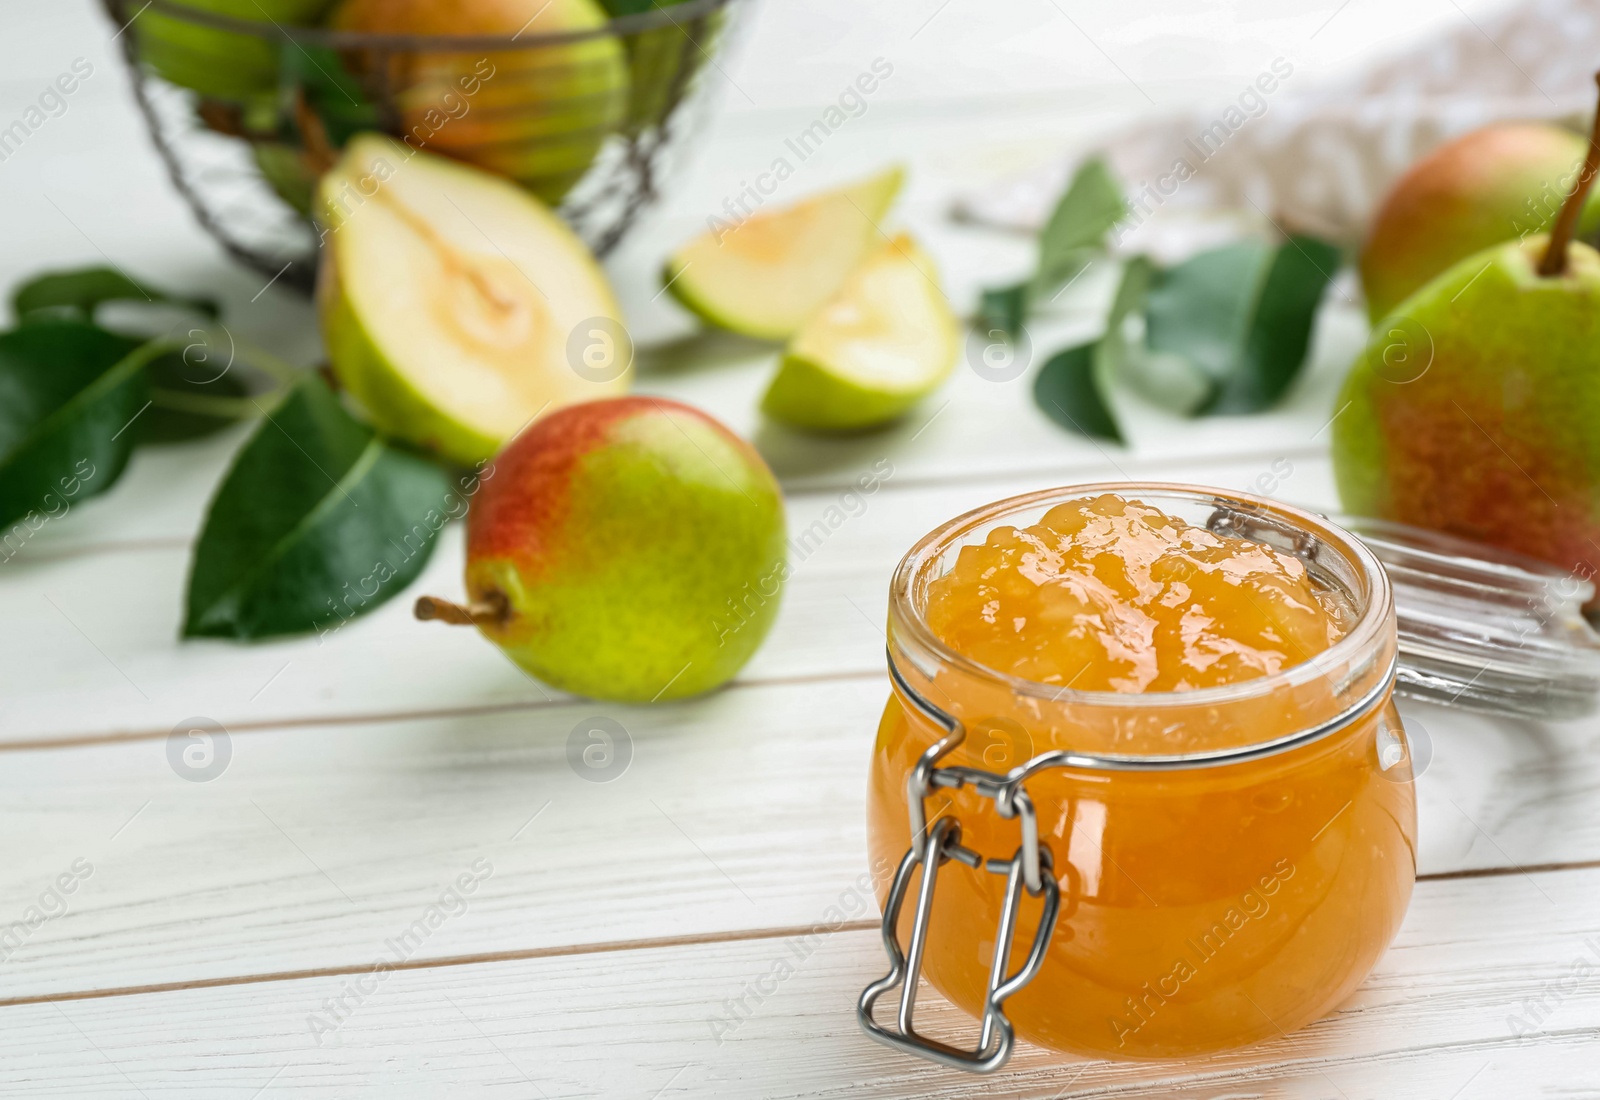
(1111, 595)
(1202, 907)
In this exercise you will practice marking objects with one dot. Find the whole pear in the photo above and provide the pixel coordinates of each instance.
(218, 63)
(1502, 182)
(538, 112)
(1474, 408)
(629, 549)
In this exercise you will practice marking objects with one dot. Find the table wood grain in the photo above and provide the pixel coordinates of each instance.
(219, 937)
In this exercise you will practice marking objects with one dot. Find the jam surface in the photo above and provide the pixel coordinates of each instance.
(1107, 594)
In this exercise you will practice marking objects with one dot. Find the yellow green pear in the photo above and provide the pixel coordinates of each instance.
(629, 549)
(219, 63)
(883, 342)
(455, 306)
(766, 275)
(538, 113)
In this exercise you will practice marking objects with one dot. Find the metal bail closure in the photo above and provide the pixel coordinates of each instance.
(1028, 870)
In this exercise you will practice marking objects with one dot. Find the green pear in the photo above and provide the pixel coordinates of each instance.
(285, 169)
(1473, 409)
(217, 63)
(455, 307)
(629, 549)
(885, 341)
(537, 114)
(765, 275)
(1502, 182)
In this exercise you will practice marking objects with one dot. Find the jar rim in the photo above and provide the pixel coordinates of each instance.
(1374, 612)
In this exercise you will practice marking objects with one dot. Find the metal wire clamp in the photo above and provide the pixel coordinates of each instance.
(1029, 869)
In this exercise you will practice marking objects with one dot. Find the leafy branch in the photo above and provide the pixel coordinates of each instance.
(1225, 332)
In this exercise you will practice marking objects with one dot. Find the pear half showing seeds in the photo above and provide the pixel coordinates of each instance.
(767, 275)
(455, 306)
(886, 340)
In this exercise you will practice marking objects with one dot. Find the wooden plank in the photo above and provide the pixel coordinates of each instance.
(90, 649)
(738, 812)
(1463, 1005)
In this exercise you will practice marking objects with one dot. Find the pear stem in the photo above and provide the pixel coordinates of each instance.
(1554, 261)
(491, 612)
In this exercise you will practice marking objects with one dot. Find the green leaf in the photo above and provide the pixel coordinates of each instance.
(333, 94)
(1242, 315)
(1133, 290)
(1003, 308)
(1280, 334)
(69, 392)
(80, 292)
(1071, 388)
(1201, 309)
(1068, 243)
(1085, 213)
(190, 399)
(317, 521)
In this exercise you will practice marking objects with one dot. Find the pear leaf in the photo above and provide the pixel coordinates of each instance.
(1075, 233)
(1280, 330)
(1085, 213)
(318, 520)
(80, 292)
(1074, 386)
(1071, 389)
(1003, 309)
(1200, 309)
(190, 399)
(69, 394)
(1242, 316)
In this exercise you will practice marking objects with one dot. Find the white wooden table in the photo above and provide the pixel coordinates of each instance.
(220, 936)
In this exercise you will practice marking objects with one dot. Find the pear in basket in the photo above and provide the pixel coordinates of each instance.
(538, 113)
(217, 63)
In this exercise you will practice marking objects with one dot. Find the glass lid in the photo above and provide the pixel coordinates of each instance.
(1486, 628)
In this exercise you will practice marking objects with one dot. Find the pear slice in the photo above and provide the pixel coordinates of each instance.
(882, 343)
(767, 275)
(455, 307)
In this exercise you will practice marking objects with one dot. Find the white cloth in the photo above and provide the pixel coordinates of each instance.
(1318, 159)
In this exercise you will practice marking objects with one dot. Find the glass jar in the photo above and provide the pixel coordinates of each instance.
(1211, 867)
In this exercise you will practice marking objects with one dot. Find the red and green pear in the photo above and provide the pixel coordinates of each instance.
(1475, 408)
(537, 113)
(630, 549)
(1502, 182)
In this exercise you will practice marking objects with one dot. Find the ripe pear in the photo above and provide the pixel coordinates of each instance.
(217, 63)
(455, 307)
(538, 113)
(630, 549)
(767, 274)
(1473, 409)
(885, 341)
(1502, 182)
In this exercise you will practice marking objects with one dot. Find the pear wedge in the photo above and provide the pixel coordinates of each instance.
(455, 307)
(766, 276)
(886, 340)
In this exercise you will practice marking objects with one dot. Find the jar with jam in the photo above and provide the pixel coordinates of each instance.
(1140, 780)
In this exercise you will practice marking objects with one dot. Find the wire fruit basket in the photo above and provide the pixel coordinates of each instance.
(248, 112)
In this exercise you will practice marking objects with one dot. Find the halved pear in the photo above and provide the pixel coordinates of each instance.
(768, 274)
(886, 340)
(455, 306)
